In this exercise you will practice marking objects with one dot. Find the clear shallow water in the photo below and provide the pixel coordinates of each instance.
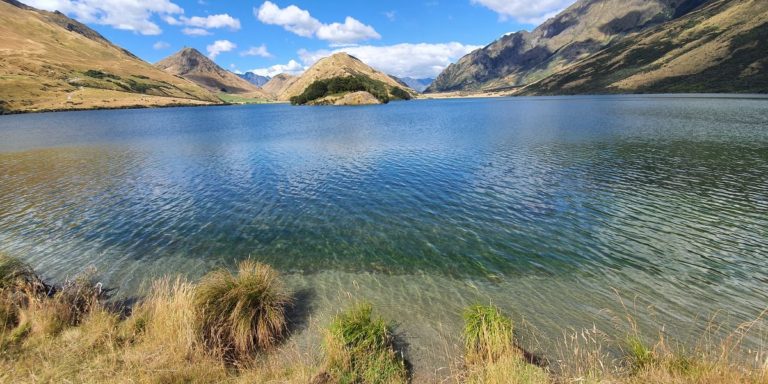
(541, 205)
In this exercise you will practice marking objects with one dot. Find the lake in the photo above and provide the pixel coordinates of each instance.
(552, 208)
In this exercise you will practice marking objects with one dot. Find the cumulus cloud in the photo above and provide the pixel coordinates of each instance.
(301, 22)
(525, 11)
(218, 47)
(212, 22)
(293, 67)
(195, 32)
(350, 32)
(292, 18)
(160, 45)
(402, 60)
(260, 51)
(129, 15)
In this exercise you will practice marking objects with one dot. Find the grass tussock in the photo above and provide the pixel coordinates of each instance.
(240, 314)
(360, 349)
(158, 342)
(490, 354)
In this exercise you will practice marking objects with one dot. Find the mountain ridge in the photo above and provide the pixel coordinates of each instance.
(51, 62)
(581, 30)
(722, 47)
(192, 65)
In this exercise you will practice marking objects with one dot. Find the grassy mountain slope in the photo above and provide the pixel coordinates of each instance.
(581, 30)
(51, 62)
(278, 84)
(192, 65)
(721, 47)
(338, 65)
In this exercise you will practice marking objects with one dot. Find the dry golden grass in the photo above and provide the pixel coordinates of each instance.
(240, 314)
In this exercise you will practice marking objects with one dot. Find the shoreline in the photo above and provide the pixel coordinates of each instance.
(302, 349)
(429, 96)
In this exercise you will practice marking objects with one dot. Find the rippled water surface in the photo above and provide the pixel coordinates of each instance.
(542, 205)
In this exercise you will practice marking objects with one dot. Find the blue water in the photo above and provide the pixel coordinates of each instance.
(543, 205)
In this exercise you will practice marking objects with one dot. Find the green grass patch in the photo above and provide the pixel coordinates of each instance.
(360, 349)
(487, 333)
(639, 354)
(96, 74)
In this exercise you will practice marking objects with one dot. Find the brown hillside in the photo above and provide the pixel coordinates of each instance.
(190, 64)
(278, 84)
(51, 62)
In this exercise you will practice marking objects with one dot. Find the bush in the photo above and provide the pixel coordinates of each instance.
(100, 75)
(336, 85)
(360, 349)
(16, 275)
(238, 315)
(400, 94)
(79, 297)
(487, 334)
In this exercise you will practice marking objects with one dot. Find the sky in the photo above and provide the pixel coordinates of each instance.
(405, 38)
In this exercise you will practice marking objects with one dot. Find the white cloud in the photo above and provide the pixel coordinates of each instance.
(129, 15)
(525, 11)
(260, 51)
(350, 32)
(402, 60)
(292, 18)
(195, 32)
(212, 22)
(293, 67)
(218, 47)
(391, 15)
(160, 45)
(301, 22)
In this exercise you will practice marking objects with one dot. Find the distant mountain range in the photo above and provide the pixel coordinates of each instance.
(418, 85)
(607, 46)
(255, 79)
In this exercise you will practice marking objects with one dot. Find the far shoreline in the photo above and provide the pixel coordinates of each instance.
(421, 97)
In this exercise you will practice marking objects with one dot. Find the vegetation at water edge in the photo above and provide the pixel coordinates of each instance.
(234, 327)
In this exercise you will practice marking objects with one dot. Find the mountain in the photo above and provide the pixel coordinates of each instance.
(418, 85)
(720, 47)
(255, 79)
(339, 65)
(192, 65)
(278, 84)
(583, 29)
(51, 62)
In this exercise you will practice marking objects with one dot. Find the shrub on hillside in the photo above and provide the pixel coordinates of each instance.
(337, 85)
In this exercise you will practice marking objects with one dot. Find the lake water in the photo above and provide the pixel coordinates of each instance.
(546, 207)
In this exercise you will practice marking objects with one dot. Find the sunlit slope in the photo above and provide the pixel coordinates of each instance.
(338, 65)
(192, 65)
(721, 47)
(49, 62)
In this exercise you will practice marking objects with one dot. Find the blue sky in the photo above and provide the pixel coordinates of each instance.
(415, 38)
